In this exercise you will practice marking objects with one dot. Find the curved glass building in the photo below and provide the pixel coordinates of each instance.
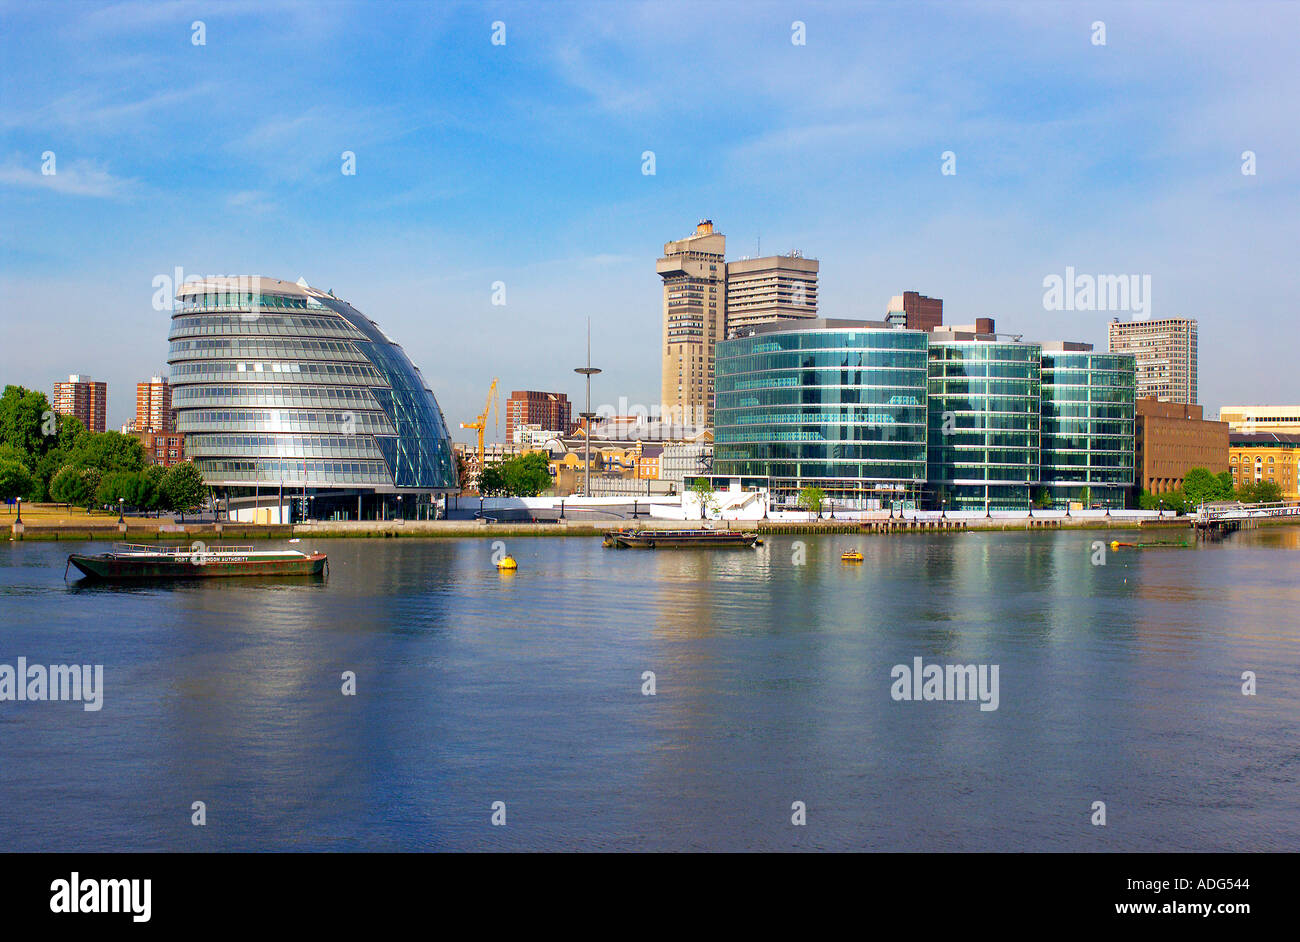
(838, 405)
(293, 402)
(1087, 438)
(984, 401)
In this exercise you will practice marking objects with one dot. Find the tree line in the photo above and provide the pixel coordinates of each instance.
(1201, 486)
(46, 457)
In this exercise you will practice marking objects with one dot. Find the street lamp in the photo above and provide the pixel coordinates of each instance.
(120, 503)
(399, 507)
(943, 508)
(20, 511)
(1161, 511)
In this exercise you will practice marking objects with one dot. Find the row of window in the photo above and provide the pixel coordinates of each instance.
(822, 359)
(254, 395)
(292, 372)
(259, 347)
(286, 420)
(307, 325)
(866, 340)
(271, 471)
(236, 299)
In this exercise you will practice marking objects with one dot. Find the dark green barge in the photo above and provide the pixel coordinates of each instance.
(677, 539)
(134, 561)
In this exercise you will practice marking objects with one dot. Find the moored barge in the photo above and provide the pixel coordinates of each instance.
(134, 561)
(676, 539)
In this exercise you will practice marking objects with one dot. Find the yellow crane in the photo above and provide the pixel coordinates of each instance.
(481, 424)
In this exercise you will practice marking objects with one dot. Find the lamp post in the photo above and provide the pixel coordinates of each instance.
(587, 371)
(399, 507)
(1161, 511)
(943, 508)
(19, 518)
(120, 503)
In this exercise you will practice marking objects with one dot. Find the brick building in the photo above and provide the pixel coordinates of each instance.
(1172, 438)
(549, 410)
(84, 399)
(153, 406)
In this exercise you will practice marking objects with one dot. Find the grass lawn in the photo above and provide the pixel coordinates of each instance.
(54, 515)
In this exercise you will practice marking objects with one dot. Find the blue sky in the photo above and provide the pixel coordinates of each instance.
(521, 163)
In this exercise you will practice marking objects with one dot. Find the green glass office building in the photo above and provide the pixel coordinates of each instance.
(951, 418)
(1087, 435)
(833, 404)
(983, 407)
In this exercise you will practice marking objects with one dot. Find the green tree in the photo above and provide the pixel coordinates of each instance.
(151, 496)
(75, 486)
(1200, 486)
(811, 499)
(15, 479)
(703, 492)
(127, 485)
(492, 480)
(1259, 492)
(26, 420)
(525, 475)
(1226, 487)
(182, 487)
(1043, 499)
(109, 451)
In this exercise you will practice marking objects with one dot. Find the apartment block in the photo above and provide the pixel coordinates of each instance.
(84, 399)
(153, 406)
(1166, 355)
(549, 410)
(773, 288)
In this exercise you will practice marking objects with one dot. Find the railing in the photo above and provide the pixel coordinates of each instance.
(1239, 511)
(168, 550)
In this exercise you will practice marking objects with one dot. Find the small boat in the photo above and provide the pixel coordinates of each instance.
(851, 556)
(678, 539)
(135, 561)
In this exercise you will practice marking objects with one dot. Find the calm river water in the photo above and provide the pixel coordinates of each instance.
(1119, 683)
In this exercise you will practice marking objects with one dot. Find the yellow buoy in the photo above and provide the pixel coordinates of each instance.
(508, 564)
(1114, 544)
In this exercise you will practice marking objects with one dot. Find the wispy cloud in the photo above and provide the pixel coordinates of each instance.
(76, 178)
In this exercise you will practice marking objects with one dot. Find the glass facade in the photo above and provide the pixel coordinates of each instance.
(984, 424)
(293, 387)
(964, 424)
(1087, 437)
(840, 409)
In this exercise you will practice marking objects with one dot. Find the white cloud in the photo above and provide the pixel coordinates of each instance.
(75, 178)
